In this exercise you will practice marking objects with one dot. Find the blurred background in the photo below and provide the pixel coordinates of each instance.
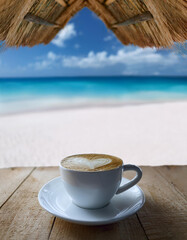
(86, 92)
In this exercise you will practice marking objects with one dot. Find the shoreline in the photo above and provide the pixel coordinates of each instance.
(90, 106)
(146, 134)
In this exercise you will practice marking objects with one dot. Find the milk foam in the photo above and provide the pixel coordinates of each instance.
(82, 162)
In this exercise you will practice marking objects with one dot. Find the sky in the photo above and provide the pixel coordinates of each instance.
(85, 47)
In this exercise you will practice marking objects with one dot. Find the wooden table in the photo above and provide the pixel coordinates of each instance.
(164, 215)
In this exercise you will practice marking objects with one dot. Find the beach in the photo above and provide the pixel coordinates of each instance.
(144, 134)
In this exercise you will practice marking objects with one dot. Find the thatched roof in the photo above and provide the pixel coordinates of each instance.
(139, 22)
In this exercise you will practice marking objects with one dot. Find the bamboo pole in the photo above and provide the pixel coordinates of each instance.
(136, 19)
(108, 2)
(38, 20)
(61, 2)
(103, 10)
(67, 13)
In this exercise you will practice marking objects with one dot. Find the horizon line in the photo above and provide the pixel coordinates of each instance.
(97, 76)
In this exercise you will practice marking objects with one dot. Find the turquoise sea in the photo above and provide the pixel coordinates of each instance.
(34, 94)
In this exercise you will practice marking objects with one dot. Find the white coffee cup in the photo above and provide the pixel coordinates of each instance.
(96, 188)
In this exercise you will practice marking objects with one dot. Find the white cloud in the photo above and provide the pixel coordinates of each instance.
(91, 61)
(127, 61)
(52, 56)
(126, 56)
(45, 62)
(108, 38)
(65, 34)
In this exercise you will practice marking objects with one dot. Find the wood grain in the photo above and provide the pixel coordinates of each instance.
(10, 179)
(164, 215)
(127, 229)
(176, 175)
(21, 217)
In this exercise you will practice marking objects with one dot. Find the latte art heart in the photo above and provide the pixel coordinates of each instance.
(90, 164)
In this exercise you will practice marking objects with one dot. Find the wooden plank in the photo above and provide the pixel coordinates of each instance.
(176, 175)
(10, 179)
(146, 16)
(127, 229)
(38, 20)
(164, 215)
(21, 217)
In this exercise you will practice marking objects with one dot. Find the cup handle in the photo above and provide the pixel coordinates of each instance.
(132, 182)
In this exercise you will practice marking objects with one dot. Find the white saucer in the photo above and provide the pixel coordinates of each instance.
(54, 199)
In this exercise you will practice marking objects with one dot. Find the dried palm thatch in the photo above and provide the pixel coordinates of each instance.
(144, 23)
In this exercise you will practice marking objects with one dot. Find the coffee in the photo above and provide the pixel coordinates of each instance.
(91, 162)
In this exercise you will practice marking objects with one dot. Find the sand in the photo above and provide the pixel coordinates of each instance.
(149, 134)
